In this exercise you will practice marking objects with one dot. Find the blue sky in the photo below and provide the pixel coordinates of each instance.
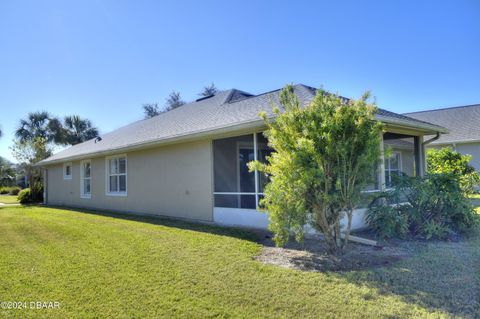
(103, 59)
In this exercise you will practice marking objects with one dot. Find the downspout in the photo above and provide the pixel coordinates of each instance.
(433, 139)
(45, 186)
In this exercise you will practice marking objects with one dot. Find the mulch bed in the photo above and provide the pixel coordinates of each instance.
(312, 255)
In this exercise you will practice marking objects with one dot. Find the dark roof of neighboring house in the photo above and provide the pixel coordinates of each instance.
(224, 112)
(463, 122)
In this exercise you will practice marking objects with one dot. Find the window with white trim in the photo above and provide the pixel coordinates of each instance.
(393, 167)
(117, 175)
(85, 179)
(67, 170)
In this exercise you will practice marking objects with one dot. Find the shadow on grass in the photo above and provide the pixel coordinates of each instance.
(437, 275)
(441, 276)
(199, 226)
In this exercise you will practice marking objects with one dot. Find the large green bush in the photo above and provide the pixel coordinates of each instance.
(25, 196)
(433, 206)
(446, 160)
(324, 152)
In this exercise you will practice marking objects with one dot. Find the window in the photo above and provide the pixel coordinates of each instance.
(393, 166)
(85, 179)
(116, 167)
(67, 171)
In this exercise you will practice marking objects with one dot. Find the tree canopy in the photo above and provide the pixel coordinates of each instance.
(151, 110)
(209, 90)
(28, 153)
(173, 101)
(323, 155)
(37, 125)
(7, 173)
(77, 130)
(71, 131)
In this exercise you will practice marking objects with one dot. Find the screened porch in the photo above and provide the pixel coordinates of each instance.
(237, 188)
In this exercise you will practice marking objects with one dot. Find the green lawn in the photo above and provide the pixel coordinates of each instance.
(8, 199)
(101, 266)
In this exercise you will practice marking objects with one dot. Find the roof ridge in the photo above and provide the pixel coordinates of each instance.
(444, 108)
(273, 91)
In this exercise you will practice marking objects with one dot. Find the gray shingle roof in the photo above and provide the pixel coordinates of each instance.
(224, 110)
(463, 122)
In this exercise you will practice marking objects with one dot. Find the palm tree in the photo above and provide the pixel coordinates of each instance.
(77, 130)
(34, 126)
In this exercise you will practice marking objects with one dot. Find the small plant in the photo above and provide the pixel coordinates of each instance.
(25, 196)
(434, 229)
(387, 221)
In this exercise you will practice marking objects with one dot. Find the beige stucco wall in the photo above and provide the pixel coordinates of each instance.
(173, 180)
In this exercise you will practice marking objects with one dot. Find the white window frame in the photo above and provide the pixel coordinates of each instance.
(107, 176)
(82, 179)
(65, 176)
(389, 169)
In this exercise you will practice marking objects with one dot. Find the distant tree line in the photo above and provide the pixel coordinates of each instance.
(35, 138)
(69, 131)
(173, 101)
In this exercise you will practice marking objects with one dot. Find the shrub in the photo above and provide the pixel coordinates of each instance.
(14, 191)
(434, 229)
(25, 196)
(387, 221)
(448, 161)
(432, 206)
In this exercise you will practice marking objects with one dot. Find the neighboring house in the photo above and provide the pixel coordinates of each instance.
(191, 162)
(463, 123)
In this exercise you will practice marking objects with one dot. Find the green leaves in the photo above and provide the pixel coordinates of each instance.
(432, 207)
(323, 155)
(446, 160)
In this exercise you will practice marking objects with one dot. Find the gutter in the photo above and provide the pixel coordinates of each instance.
(226, 130)
(425, 126)
(433, 139)
(222, 130)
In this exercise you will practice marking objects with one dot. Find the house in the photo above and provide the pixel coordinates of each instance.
(463, 123)
(191, 162)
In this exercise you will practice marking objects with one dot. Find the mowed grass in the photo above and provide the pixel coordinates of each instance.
(8, 199)
(113, 266)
